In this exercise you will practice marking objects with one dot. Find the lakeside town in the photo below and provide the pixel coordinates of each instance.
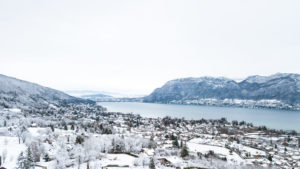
(265, 103)
(89, 137)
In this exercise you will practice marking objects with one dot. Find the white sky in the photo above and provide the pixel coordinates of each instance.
(137, 46)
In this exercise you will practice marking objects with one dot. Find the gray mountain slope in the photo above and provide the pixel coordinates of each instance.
(23, 94)
(281, 86)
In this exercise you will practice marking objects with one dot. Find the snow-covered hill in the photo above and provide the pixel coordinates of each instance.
(15, 93)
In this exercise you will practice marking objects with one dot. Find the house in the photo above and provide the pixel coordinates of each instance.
(165, 162)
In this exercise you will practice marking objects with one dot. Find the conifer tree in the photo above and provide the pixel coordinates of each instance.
(25, 162)
(52, 128)
(29, 164)
(21, 161)
(152, 164)
(47, 158)
(72, 127)
(270, 158)
(65, 127)
(176, 143)
(184, 151)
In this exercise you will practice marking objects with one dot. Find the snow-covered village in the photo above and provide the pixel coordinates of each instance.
(149, 84)
(88, 137)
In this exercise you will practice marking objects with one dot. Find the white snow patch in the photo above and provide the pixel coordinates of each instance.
(235, 158)
(11, 147)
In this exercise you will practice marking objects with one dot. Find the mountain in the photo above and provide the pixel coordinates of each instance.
(23, 94)
(96, 96)
(282, 87)
(117, 93)
(79, 93)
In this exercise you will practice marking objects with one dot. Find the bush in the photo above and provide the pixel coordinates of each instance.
(79, 140)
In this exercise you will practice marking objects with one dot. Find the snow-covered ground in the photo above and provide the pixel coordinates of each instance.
(121, 160)
(10, 150)
(250, 150)
(231, 157)
(117, 159)
(240, 147)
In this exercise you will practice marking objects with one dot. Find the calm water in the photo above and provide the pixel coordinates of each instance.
(278, 119)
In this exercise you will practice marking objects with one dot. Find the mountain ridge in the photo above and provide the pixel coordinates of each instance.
(284, 87)
(23, 94)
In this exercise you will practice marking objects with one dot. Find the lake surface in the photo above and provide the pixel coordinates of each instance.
(278, 119)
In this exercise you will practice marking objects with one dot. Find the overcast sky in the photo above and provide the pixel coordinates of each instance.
(136, 46)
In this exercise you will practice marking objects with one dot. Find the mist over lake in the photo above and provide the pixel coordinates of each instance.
(277, 119)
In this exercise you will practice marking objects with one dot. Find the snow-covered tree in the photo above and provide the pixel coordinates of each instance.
(29, 159)
(37, 149)
(90, 151)
(4, 155)
(61, 155)
(142, 160)
(25, 161)
(21, 163)
(78, 154)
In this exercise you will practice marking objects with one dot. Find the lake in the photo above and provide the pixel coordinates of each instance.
(277, 119)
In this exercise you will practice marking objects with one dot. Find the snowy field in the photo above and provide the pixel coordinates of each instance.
(241, 147)
(121, 160)
(10, 150)
(235, 158)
